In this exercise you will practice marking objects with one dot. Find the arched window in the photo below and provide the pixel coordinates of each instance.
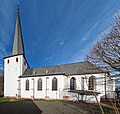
(54, 83)
(92, 82)
(27, 85)
(39, 84)
(73, 83)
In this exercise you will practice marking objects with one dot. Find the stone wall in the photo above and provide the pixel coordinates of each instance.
(1, 85)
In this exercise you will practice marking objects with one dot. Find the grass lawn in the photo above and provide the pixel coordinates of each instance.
(108, 110)
(4, 100)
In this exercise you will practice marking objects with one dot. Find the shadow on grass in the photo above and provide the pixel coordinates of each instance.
(19, 107)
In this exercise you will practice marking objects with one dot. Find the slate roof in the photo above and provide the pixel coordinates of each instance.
(66, 69)
(18, 47)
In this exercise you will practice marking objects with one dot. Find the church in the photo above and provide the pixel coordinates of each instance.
(75, 81)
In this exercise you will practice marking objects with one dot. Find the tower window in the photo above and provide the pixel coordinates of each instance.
(16, 59)
(8, 61)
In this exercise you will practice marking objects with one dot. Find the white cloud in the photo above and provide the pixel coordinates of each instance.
(62, 42)
(49, 58)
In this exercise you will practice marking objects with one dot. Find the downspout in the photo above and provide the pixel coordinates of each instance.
(105, 88)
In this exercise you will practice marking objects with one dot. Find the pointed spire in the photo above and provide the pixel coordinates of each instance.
(18, 47)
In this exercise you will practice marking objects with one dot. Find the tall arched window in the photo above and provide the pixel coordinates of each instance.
(39, 84)
(54, 83)
(27, 85)
(92, 82)
(73, 83)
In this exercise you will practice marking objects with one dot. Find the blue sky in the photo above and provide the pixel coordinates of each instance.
(55, 31)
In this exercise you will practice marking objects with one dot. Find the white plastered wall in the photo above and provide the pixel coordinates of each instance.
(100, 86)
(46, 91)
(12, 71)
(63, 87)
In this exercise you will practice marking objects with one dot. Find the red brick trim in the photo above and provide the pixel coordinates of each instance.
(47, 97)
(32, 97)
(108, 99)
(18, 96)
(65, 97)
(10, 97)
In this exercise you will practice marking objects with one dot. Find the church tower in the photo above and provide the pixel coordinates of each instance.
(16, 64)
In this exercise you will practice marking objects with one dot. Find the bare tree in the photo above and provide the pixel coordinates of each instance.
(106, 52)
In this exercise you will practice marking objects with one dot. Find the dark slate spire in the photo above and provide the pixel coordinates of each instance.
(18, 47)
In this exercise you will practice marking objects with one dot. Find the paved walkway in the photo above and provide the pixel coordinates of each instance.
(58, 107)
(19, 107)
(47, 107)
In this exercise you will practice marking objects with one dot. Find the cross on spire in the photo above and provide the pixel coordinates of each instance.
(18, 5)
